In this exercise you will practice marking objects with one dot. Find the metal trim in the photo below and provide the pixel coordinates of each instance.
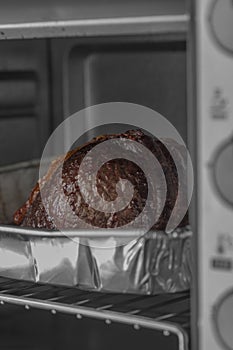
(164, 24)
(33, 232)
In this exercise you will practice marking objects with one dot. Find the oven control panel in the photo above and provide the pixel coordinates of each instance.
(223, 320)
(221, 23)
(222, 171)
(214, 92)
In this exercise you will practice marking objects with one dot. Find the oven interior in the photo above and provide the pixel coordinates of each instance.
(43, 81)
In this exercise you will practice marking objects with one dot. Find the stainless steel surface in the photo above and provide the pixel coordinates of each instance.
(168, 313)
(96, 27)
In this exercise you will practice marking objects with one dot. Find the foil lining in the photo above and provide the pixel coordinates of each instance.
(16, 258)
(151, 264)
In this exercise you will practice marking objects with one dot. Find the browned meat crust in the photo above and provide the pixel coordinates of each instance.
(34, 213)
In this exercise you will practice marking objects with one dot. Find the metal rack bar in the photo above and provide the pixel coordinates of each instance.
(166, 312)
(161, 24)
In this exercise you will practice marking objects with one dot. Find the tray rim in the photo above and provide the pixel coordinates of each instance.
(183, 233)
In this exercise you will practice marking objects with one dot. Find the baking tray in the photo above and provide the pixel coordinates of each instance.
(150, 264)
(93, 260)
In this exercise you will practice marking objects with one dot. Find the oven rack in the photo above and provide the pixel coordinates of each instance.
(168, 313)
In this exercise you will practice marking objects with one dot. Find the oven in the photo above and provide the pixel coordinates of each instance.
(174, 57)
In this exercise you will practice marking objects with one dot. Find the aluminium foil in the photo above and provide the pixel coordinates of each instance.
(150, 264)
